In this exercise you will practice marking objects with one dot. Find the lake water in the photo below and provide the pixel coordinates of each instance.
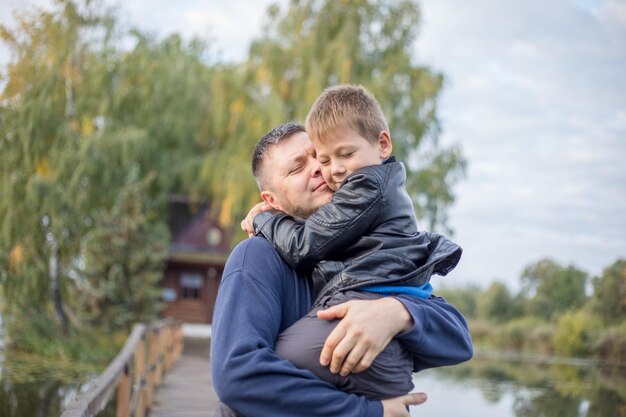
(498, 388)
(481, 388)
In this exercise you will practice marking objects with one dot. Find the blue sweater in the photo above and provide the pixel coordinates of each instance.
(260, 295)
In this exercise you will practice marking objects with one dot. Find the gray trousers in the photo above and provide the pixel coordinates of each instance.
(390, 375)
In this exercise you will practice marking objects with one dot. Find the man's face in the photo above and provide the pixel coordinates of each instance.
(295, 182)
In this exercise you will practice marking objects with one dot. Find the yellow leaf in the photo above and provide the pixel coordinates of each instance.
(235, 110)
(346, 65)
(87, 126)
(284, 89)
(15, 257)
(236, 106)
(225, 218)
(42, 168)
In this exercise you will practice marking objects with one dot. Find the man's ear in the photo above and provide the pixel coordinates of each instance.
(384, 144)
(270, 198)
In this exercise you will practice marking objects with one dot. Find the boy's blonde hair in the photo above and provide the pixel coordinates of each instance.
(345, 106)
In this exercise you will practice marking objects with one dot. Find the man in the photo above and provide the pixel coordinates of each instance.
(260, 296)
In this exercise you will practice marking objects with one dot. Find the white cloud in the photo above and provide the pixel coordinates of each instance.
(230, 26)
(539, 107)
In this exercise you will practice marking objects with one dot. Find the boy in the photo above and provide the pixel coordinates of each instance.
(362, 244)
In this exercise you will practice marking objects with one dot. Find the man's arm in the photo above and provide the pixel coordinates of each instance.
(247, 374)
(433, 331)
(439, 336)
(333, 227)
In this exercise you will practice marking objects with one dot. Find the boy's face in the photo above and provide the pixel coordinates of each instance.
(347, 151)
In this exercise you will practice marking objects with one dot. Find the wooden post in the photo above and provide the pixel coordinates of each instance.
(166, 345)
(153, 359)
(140, 386)
(178, 341)
(123, 392)
(170, 347)
(160, 357)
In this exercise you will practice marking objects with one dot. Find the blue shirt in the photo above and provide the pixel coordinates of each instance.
(261, 295)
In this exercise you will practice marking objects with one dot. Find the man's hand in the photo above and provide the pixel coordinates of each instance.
(396, 407)
(247, 224)
(366, 328)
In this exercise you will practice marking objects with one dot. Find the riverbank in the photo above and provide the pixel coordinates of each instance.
(575, 337)
(543, 359)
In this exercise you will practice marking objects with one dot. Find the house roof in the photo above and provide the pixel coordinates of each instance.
(196, 236)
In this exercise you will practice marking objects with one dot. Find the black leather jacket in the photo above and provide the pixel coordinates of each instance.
(367, 235)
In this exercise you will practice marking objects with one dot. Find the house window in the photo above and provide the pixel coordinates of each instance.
(191, 284)
(168, 295)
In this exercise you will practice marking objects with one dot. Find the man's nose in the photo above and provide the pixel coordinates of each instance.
(317, 169)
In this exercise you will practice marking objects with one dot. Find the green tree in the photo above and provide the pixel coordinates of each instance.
(464, 299)
(89, 130)
(123, 257)
(64, 164)
(496, 303)
(550, 288)
(41, 206)
(609, 293)
(313, 44)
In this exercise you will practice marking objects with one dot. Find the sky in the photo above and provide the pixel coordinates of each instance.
(535, 95)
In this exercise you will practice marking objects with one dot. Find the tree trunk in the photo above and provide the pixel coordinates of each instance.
(55, 288)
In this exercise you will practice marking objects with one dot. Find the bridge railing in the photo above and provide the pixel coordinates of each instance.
(136, 371)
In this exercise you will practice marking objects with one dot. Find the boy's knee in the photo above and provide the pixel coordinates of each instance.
(302, 343)
(297, 351)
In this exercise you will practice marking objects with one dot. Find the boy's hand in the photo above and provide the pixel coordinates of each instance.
(247, 224)
(366, 328)
(397, 407)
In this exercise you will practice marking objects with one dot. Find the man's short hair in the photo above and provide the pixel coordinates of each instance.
(273, 137)
(346, 106)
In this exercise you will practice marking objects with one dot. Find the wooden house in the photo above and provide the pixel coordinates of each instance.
(198, 251)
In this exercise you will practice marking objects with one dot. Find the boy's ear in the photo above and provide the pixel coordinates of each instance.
(270, 198)
(384, 144)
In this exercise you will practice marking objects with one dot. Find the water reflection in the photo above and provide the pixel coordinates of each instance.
(44, 398)
(37, 399)
(482, 387)
(513, 389)
(36, 388)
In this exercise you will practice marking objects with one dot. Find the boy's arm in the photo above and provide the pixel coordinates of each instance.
(336, 225)
(247, 373)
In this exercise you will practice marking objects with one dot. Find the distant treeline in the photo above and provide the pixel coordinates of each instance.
(552, 314)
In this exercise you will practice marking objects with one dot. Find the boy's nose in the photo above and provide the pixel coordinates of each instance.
(338, 169)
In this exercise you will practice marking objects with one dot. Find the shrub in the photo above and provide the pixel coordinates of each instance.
(611, 344)
(574, 333)
(541, 339)
(516, 333)
(482, 332)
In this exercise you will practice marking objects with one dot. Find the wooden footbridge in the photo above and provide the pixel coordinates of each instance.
(153, 375)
